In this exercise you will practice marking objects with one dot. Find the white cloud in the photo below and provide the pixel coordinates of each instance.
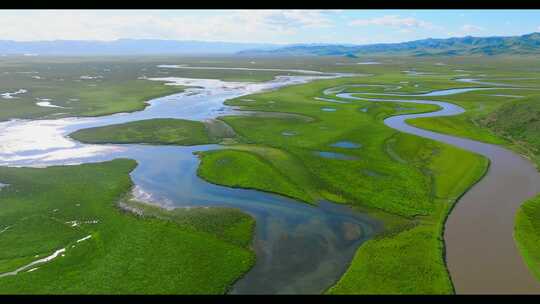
(233, 25)
(392, 21)
(471, 29)
(467, 30)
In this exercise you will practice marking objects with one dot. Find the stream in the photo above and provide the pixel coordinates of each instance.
(481, 254)
(300, 248)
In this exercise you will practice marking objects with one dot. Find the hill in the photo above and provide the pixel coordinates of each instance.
(512, 45)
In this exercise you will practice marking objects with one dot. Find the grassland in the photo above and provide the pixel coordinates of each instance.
(147, 251)
(409, 182)
(527, 234)
(414, 179)
(511, 121)
(77, 88)
(403, 262)
(518, 122)
(95, 86)
(154, 131)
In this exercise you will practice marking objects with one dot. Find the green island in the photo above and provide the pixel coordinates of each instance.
(158, 131)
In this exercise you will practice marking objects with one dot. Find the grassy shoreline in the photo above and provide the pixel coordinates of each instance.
(527, 234)
(158, 131)
(201, 250)
(512, 125)
(265, 159)
(416, 188)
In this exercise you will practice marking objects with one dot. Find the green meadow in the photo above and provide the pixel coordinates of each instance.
(95, 86)
(136, 249)
(527, 234)
(290, 146)
(416, 179)
(156, 131)
(400, 178)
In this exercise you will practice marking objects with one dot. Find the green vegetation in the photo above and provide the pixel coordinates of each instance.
(484, 115)
(247, 170)
(94, 86)
(527, 233)
(400, 264)
(80, 88)
(518, 121)
(512, 121)
(409, 182)
(469, 46)
(145, 251)
(153, 131)
(226, 223)
(410, 260)
(415, 178)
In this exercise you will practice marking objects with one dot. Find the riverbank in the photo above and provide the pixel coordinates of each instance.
(109, 251)
(283, 148)
(321, 149)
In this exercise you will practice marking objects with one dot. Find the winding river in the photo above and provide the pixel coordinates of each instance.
(481, 253)
(300, 248)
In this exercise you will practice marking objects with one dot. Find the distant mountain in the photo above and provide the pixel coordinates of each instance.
(526, 44)
(126, 47)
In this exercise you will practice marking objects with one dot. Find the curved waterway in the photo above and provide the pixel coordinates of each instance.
(481, 253)
(300, 248)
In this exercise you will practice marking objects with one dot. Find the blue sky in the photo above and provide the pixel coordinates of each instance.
(270, 26)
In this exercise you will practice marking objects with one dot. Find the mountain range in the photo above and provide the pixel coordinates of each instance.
(463, 46)
(511, 45)
(126, 47)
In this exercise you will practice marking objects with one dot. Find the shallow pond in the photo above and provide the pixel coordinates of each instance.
(335, 155)
(346, 145)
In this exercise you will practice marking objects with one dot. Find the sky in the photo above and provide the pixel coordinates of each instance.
(265, 26)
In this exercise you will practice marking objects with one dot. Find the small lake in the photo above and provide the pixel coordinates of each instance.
(335, 155)
(346, 145)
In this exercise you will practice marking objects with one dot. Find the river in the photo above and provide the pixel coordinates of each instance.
(300, 248)
(481, 254)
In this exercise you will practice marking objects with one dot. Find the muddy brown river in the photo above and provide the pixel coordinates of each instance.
(481, 254)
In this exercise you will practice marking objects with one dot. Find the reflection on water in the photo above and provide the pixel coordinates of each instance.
(300, 248)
